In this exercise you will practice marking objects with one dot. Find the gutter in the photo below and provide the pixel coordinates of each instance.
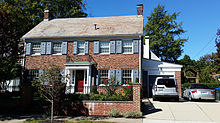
(94, 36)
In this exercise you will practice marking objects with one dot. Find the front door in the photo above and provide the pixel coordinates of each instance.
(79, 80)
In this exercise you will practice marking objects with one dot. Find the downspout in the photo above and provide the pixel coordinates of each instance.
(140, 59)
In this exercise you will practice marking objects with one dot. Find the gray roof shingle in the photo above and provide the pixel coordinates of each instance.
(85, 27)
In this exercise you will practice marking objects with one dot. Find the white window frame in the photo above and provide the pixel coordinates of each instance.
(100, 47)
(123, 46)
(57, 53)
(104, 77)
(123, 77)
(38, 48)
(81, 47)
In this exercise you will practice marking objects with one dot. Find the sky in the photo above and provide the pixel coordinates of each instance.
(200, 18)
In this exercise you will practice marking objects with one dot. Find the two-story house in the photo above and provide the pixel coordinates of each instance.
(90, 50)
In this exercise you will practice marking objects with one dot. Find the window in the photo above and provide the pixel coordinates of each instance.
(36, 48)
(57, 47)
(127, 46)
(81, 47)
(104, 46)
(126, 76)
(103, 76)
(32, 74)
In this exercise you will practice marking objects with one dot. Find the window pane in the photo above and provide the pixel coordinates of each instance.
(104, 47)
(32, 74)
(56, 47)
(127, 46)
(126, 76)
(103, 76)
(36, 48)
(81, 47)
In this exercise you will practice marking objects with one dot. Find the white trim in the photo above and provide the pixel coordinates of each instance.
(87, 85)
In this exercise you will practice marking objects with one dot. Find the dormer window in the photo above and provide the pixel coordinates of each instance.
(36, 48)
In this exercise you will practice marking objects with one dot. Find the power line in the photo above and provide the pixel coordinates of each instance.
(211, 50)
(205, 46)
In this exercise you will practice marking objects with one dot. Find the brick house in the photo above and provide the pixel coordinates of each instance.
(94, 49)
(90, 50)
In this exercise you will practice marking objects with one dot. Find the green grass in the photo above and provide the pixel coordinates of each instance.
(67, 121)
(35, 121)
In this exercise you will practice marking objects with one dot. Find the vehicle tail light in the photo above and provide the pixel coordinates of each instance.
(212, 92)
(195, 91)
(155, 87)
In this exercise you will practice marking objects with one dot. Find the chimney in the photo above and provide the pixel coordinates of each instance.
(46, 15)
(139, 9)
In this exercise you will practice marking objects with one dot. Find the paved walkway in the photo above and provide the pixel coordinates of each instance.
(183, 111)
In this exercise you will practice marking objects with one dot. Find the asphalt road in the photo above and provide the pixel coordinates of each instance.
(184, 111)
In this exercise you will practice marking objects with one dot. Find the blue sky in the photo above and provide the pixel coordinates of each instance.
(200, 18)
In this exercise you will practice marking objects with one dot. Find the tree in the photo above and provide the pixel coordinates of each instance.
(164, 33)
(50, 86)
(9, 40)
(17, 17)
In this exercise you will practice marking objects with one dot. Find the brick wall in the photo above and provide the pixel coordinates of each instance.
(102, 108)
(106, 61)
(103, 61)
(42, 61)
(178, 79)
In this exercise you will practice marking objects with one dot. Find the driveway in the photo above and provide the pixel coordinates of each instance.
(183, 111)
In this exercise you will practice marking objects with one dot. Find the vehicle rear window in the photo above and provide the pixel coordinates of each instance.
(198, 86)
(166, 82)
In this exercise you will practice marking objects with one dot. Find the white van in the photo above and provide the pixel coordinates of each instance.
(165, 87)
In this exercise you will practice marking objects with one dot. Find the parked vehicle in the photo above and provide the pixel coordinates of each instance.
(199, 91)
(165, 87)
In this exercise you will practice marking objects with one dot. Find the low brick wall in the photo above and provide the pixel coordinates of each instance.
(102, 108)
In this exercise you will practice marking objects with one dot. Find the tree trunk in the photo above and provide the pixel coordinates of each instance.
(51, 118)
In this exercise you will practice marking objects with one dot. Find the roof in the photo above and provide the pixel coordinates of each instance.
(85, 27)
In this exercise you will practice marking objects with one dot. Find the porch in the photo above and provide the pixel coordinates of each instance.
(78, 77)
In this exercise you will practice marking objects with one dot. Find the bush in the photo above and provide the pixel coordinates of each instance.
(132, 114)
(114, 113)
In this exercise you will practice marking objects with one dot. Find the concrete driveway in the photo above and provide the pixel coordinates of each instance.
(183, 111)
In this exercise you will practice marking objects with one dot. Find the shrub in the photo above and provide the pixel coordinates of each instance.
(132, 114)
(94, 96)
(114, 113)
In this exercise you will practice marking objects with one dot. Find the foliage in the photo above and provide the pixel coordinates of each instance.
(164, 34)
(33, 10)
(206, 66)
(114, 113)
(9, 43)
(50, 86)
(132, 114)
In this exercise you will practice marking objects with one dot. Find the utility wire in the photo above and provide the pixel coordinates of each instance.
(211, 50)
(205, 46)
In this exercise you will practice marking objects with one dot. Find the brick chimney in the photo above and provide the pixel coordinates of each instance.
(46, 15)
(139, 9)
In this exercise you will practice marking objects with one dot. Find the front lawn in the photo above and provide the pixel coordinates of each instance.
(64, 121)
